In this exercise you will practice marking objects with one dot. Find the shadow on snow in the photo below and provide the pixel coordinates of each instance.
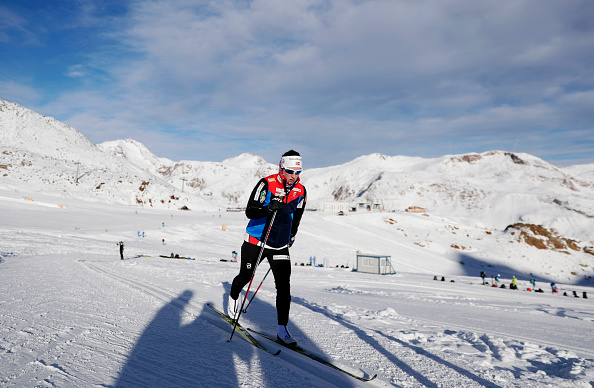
(403, 365)
(171, 353)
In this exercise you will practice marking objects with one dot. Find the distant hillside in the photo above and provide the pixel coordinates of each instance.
(227, 183)
(493, 189)
(40, 154)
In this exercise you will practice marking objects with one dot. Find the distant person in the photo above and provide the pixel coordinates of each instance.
(280, 196)
(533, 282)
(121, 244)
(497, 279)
(514, 285)
(483, 275)
(554, 288)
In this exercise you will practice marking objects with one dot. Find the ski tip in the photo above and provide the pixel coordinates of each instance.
(373, 377)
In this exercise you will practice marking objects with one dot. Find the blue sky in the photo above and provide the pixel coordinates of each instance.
(333, 79)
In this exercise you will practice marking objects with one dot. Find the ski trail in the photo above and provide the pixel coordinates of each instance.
(194, 308)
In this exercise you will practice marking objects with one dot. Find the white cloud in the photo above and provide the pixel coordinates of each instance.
(360, 76)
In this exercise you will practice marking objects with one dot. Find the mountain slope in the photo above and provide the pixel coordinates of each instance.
(493, 189)
(40, 153)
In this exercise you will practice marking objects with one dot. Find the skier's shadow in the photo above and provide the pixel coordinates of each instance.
(171, 353)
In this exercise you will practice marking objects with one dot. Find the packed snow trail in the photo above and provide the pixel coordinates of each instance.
(74, 315)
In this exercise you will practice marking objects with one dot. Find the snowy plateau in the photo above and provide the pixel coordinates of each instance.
(73, 314)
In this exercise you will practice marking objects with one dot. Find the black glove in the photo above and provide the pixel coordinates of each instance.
(292, 241)
(276, 203)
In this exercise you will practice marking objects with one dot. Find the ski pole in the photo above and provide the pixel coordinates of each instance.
(255, 292)
(253, 273)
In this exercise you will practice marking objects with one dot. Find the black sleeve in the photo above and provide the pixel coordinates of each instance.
(298, 214)
(255, 208)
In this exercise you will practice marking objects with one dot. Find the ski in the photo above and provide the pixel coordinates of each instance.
(307, 353)
(242, 330)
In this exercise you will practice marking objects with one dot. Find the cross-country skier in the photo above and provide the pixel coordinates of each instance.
(284, 194)
(121, 244)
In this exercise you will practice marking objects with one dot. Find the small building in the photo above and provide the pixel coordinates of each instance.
(377, 264)
(369, 205)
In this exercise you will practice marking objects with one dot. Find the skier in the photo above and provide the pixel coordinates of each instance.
(283, 197)
(514, 285)
(497, 279)
(533, 282)
(121, 244)
(483, 274)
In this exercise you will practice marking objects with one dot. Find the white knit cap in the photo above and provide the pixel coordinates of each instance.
(291, 162)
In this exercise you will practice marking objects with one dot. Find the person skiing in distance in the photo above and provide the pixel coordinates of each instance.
(121, 244)
(284, 195)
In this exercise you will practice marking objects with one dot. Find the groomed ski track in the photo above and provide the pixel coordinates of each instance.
(404, 356)
(142, 321)
(397, 355)
(194, 309)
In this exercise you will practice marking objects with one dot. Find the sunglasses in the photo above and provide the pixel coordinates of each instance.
(291, 172)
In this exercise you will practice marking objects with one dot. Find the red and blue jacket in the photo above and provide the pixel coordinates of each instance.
(286, 222)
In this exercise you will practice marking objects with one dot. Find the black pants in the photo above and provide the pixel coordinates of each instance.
(280, 264)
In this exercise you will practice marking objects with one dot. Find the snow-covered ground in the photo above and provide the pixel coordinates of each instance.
(74, 315)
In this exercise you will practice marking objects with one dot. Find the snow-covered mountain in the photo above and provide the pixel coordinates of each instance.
(39, 153)
(227, 183)
(496, 188)
(493, 189)
(27, 131)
